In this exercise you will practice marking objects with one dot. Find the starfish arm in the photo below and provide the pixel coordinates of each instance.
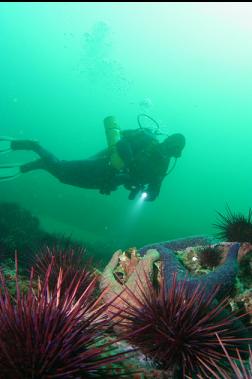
(108, 280)
(118, 295)
(171, 263)
(224, 276)
(179, 244)
(143, 271)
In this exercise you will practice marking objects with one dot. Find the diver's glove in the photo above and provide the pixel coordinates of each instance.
(134, 191)
(152, 192)
(150, 196)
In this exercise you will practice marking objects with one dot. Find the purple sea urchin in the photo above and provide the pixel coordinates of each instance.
(209, 257)
(45, 334)
(178, 331)
(234, 226)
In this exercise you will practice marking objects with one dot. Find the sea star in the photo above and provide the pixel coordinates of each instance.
(150, 254)
(222, 277)
(221, 280)
(117, 293)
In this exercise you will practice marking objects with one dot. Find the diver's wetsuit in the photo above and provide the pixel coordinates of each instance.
(92, 173)
(144, 161)
(139, 150)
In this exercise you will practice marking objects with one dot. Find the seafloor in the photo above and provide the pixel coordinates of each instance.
(22, 239)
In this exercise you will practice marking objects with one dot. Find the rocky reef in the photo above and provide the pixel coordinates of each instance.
(173, 309)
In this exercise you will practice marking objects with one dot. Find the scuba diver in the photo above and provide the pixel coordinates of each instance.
(133, 158)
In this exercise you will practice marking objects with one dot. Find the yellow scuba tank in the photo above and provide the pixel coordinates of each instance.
(113, 135)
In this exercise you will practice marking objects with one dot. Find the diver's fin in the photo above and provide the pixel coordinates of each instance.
(5, 144)
(9, 171)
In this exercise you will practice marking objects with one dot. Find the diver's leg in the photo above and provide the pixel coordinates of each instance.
(31, 145)
(8, 143)
(86, 173)
(47, 162)
(38, 164)
(23, 145)
(82, 173)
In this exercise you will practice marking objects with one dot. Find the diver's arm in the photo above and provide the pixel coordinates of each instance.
(125, 151)
(154, 186)
(153, 189)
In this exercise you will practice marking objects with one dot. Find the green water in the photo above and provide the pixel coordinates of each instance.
(64, 67)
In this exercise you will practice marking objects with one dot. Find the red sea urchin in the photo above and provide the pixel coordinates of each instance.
(45, 334)
(178, 332)
(234, 227)
(72, 261)
(237, 369)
